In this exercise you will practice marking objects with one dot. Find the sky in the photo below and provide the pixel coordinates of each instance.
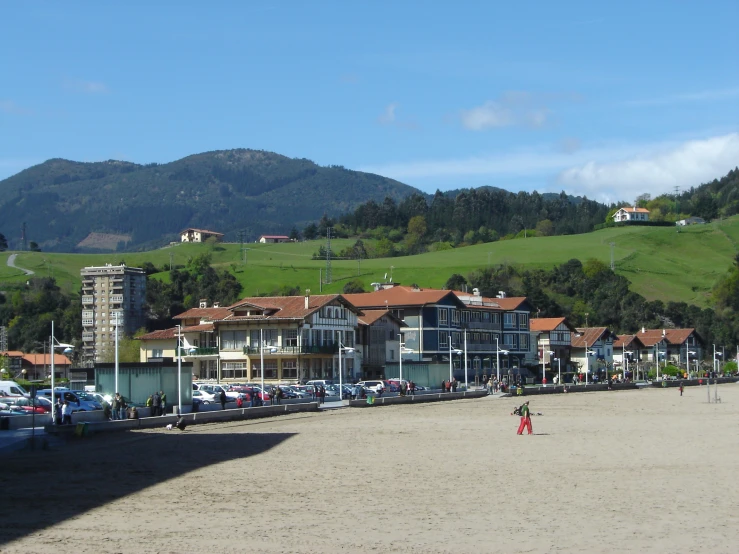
(604, 99)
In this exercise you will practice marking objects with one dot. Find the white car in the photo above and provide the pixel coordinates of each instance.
(204, 396)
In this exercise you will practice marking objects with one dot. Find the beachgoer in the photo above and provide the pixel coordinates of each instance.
(58, 410)
(121, 406)
(239, 401)
(150, 404)
(66, 413)
(681, 388)
(525, 419)
(222, 397)
(115, 407)
(156, 404)
(454, 385)
(164, 402)
(412, 387)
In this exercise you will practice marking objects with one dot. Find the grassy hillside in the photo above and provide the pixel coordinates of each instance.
(661, 262)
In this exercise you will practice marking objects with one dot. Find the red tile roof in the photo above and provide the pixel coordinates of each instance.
(368, 317)
(650, 337)
(589, 335)
(204, 313)
(286, 307)
(631, 209)
(545, 323)
(45, 359)
(274, 237)
(201, 231)
(399, 296)
(159, 335)
(507, 303)
(202, 328)
(12, 353)
(627, 341)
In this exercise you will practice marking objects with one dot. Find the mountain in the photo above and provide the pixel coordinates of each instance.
(71, 206)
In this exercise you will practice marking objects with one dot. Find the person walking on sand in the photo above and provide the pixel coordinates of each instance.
(525, 419)
(681, 388)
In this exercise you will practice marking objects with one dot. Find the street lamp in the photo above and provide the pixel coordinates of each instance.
(116, 352)
(455, 351)
(687, 364)
(587, 361)
(498, 352)
(559, 370)
(342, 348)
(179, 370)
(543, 366)
(626, 361)
(402, 350)
(465, 360)
(67, 349)
(272, 350)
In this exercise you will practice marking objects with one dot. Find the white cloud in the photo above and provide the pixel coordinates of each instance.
(512, 108)
(388, 115)
(607, 173)
(657, 170)
(87, 87)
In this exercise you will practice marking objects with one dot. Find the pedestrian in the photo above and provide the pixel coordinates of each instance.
(322, 394)
(156, 404)
(454, 385)
(222, 397)
(525, 419)
(58, 410)
(412, 387)
(448, 386)
(443, 386)
(121, 406)
(164, 402)
(66, 413)
(379, 389)
(681, 388)
(150, 404)
(278, 394)
(239, 401)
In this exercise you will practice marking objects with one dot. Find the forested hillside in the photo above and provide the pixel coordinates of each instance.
(229, 191)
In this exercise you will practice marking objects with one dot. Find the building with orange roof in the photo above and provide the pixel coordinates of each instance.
(199, 235)
(676, 346)
(630, 213)
(550, 337)
(378, 339)
(300, 338)
(592, 350)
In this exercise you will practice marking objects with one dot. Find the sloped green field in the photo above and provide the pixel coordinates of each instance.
(661, 262)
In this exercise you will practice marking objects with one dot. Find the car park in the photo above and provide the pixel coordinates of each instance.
(39, 405)
(203, 396)
(11, 388)
(80, 401)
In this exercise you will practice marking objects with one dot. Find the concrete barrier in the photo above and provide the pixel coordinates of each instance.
(238, 414)
(419, 398)
(693, 382)
(557, 389)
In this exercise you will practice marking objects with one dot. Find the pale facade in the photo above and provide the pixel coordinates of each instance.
(199, 235)
(631, 214)
(109, 294)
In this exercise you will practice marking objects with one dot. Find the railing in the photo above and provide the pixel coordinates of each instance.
(325, 349)
(87, 299)
(116, 298)
(202, 351)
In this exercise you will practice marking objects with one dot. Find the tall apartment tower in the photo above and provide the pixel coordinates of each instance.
(108, 292)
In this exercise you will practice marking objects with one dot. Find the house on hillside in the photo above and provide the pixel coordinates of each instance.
(631, 214)
(264, 239)
(592, 349)
(199, 235)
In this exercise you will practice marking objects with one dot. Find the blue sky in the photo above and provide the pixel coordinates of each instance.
(609, 99)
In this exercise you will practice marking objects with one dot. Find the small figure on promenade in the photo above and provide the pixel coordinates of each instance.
(222, 397)
(58, 410)
(121, 406)
(525, 419)
(322, 394)
(443, 386)
(164, 402)
(454, 385)
(448, 386)
(681, 388)
(150, 404)
(239, 401)
(379, 389)
(115, 407)
(66, 413)
(156, 404)
(412, 388)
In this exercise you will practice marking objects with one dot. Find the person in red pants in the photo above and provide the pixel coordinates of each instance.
(525, 419)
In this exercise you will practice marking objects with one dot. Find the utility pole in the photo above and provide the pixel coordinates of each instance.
(23, 237)
(243, 250)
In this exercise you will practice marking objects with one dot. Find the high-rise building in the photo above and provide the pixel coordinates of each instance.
(110, 292)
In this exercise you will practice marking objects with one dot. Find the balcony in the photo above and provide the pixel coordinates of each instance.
(116, 298)
(202, 351)
(325, 349)
(87, 300)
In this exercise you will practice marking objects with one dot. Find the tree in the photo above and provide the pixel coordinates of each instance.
(294, 234)
(455, 282)
(417, 226)
(354, 286)
(544, 228)
(128, 350)
(34, 247)
(310, 232)
(3, 243)
(384, 248)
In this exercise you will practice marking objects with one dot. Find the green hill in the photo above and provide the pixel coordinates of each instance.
(661, 263)
(126, 205)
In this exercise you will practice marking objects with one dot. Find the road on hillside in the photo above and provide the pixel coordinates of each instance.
(11, 263)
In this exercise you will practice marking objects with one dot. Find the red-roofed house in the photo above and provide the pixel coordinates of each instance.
(550, 337)
(626, 350)
(300, 337)
(670, 345)
(273, 238)
(592, 349)
(199, 235)
(631, 214)
(378, 339)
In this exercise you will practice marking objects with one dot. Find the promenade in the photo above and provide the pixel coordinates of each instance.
(622, 471)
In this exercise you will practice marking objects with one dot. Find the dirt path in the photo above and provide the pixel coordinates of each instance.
(11, 263)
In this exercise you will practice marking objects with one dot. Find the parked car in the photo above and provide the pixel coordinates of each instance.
(79, 400)
(39, 405)
(203, 396)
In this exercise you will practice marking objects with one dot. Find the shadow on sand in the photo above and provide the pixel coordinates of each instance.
(48, 487)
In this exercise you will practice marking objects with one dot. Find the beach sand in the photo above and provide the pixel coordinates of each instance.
(620, 471)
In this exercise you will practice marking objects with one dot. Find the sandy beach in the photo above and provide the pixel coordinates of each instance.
(621, 471)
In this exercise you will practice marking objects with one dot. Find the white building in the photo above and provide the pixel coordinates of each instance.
(110, 292)
(631, 214)
(199, 235)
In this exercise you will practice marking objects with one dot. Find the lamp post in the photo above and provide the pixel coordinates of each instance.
(456, 351)
(342, 348)
(559, 370)
(497, 358)
(261, 358)
(52, 345)
(543, 366)
(626, 361)
(687, 362)
(179, 370)
(465, 360)
(402, 350)
(587, 361)
(116, 352)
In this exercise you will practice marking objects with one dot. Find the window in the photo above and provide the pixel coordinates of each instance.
(270, 337)
(465, 316)
(349, 339)
(523, 321)
(254, 338)
(443, 316)
(270, 369)
(486, 317)
(289, 337)
(524, 342)
(455, 316)
(156, 353)
(496, 319)
(400, 314)
(290, 369)
(233, 370)
(509, 320)
(233, 340)
(455, 339)
(443, 341)
(317, 337)
(392, 354)
(476, 316)
(508, 341)
(475, 337)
